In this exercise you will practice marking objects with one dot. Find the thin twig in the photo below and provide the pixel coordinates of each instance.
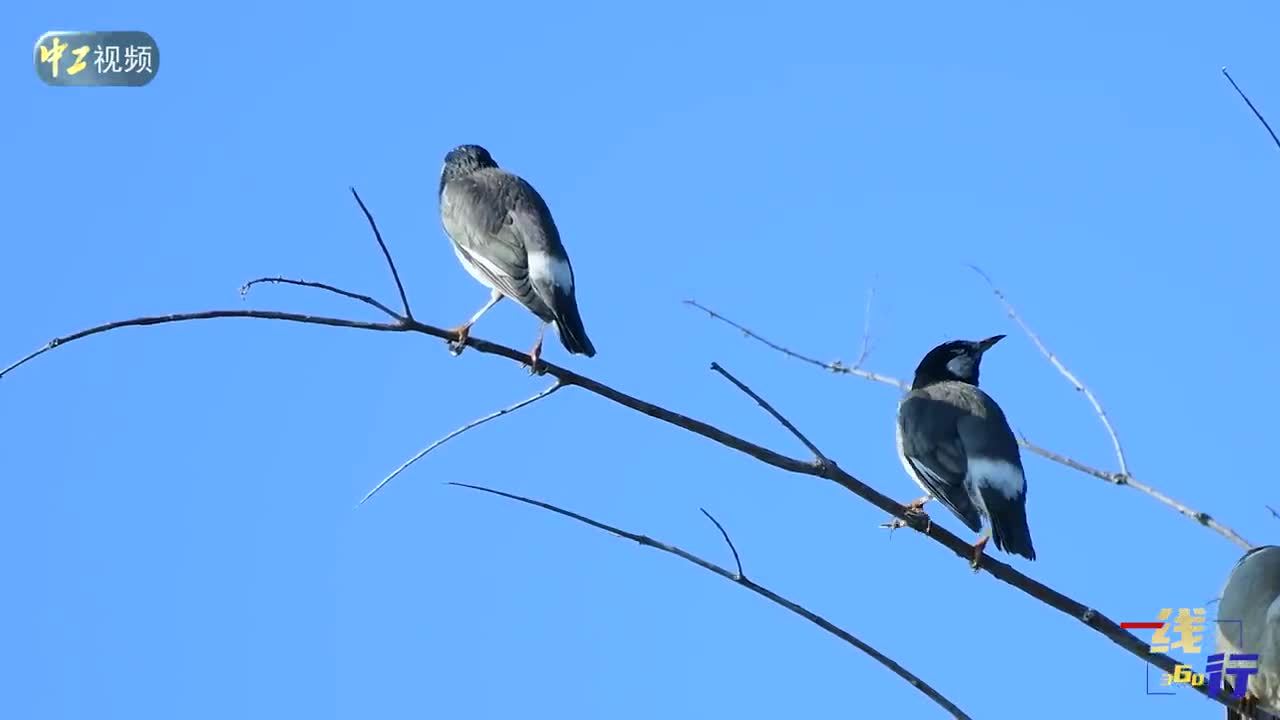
(769, 409)
(1256, 114)
(728, 541)
(866, 328)
(473, 424)
(835, 366)
(1062, 369)
(244, 290)
(404, 299)
(1274, 514)
(1118, 479)
(1107, 475)
(742, 580)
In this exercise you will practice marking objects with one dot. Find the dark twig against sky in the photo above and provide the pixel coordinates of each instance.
(1248, 102)
(817, 454)
(1116, 478)
(244, 290)
(737, 559)
(203, 315)
(740, 579)
(829, 471)
(377, 235)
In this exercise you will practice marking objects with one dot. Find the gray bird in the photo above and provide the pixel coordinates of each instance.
(503, 235)
(954, 441)
(1252, 596)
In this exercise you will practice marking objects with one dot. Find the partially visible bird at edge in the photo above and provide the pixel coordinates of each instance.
(1248, 622)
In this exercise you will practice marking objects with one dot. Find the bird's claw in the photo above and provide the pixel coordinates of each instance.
(458, 344)
(915, 508)
(978, 547)
(535, 358)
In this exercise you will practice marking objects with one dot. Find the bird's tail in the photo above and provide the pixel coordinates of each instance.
(1009, 524)
(572, 334)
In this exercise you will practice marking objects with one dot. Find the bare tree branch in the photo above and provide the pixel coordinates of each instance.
(474, 423)
(834, 366)
(1256, 114)
(1274, 514)
(1062, 369)
(742, 580)
(1115, 478)
(244, 290)
(1118, 479)
(1107, 475)
(204, 315)
(1124, 476)
(395, 275)
(769, 409)
(725, 534)
(829, 471)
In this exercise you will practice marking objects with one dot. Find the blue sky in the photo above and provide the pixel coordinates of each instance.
(180, 537)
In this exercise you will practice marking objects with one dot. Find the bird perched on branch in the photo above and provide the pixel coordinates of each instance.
(954, 441)
(1249, 622)
(503, 235)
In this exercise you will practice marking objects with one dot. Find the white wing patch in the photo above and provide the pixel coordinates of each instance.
(996, 474)
(551, 271)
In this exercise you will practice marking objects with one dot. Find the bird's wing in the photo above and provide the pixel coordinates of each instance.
(986, 435)
(995, 472)
(549, 269)
(487, 217)
(932, 447)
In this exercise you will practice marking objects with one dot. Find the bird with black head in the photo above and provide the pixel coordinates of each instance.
(954, 441)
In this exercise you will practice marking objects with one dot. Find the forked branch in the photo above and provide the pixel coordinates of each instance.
(817, 454)
(1062, 369)
(391, 264)
(740, 579)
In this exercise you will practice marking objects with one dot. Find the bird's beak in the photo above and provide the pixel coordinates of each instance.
(985, 345)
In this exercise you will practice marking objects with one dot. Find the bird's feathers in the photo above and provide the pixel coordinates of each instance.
(496, 222)
(1251, 597)
(503, 234)
(931, 448)
(962, 451)
(1007, 515)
